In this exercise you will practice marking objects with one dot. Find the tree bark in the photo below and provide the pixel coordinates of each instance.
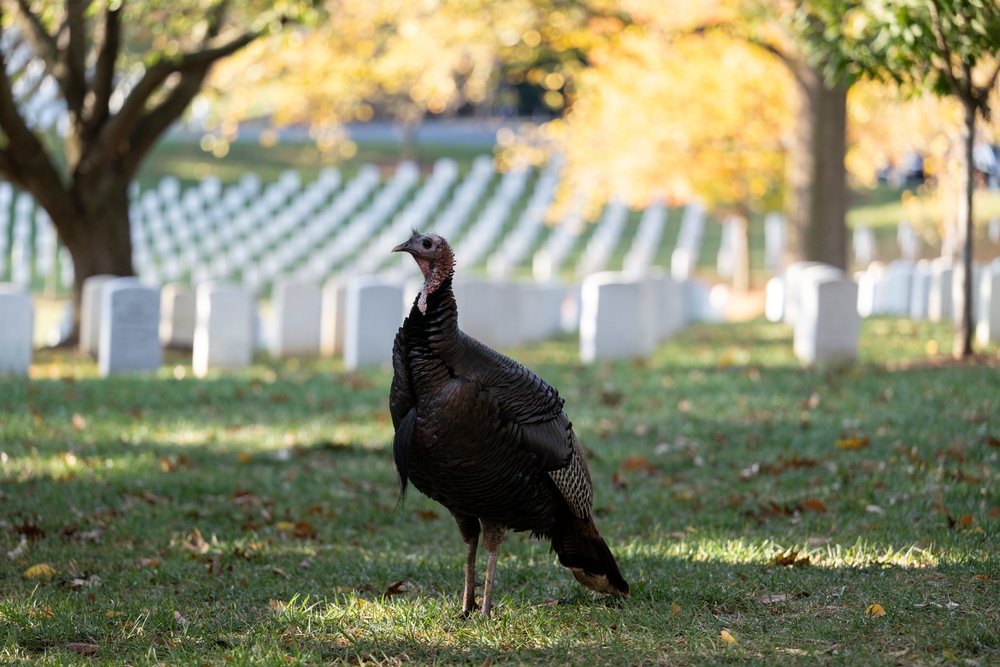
(92, 221)
(817, 192)
(741, 254)
(962, 346)
(86, 192)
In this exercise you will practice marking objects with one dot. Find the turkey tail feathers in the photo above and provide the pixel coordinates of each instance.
(583, 551)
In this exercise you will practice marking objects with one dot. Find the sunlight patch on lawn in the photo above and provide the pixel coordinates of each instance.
(861, 554)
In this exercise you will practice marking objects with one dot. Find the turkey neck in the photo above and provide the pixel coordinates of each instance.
(437, 327)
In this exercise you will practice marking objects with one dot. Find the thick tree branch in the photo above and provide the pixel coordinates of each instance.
(108, 45)
(27, 163)
(121, 126)
(156, 121)
(40, 41)
(75, 58)
(6, 167)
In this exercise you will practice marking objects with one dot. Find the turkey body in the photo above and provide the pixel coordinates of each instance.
(489, 439)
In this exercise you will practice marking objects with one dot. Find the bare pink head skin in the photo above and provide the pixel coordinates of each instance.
(435, 259)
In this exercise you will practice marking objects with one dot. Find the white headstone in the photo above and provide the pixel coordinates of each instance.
(988, 323)
(17, 316)
(774, 299)
(871, 290)
(920, 289)
(178, 308)
(957, 291)
(490, 312)
(682, 263)
(373, 316)
(698, 305)
(909, 242)
(569, 318)
(668, 300)
(296, 320)
(793, 282)
(864, 245)
(540, 308)
(725, 259)
(939, 295)
(332, 312)
(775, 235)
(224, 327)
(718, 303)
(90, 320)
(827, 326)
(612, 318)
(899, 284)
(129, 331)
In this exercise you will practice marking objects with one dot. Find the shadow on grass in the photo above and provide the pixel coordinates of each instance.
(739, 492)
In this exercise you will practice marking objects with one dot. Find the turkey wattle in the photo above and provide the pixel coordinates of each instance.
(487, 438)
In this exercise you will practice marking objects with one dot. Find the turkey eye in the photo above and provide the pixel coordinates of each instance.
(427, 244)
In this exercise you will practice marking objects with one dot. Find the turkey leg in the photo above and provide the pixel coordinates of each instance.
(470, 534)
(492, 538)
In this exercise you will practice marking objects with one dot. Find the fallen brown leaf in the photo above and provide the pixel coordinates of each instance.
(636, 463)
(854, 442)
(790, 558)
(304, 531)
(82, 648)
(195, 543)
(30, 530)
(814, 505)
(397, 588)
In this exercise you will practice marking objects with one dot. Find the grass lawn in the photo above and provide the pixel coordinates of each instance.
(762, 513)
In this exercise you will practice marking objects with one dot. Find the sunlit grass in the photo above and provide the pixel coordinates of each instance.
(758, 509)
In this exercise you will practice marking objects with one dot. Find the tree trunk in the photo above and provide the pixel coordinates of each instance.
(97, 234)
(963, 238)
(741, 255)
(817, 189)
(410, 124)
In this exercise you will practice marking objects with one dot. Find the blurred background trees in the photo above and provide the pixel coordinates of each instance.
(746, 105)
(124, 72)
(945, 47)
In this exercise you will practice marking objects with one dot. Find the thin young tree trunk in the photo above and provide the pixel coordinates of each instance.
(963, 243)
(741, 255)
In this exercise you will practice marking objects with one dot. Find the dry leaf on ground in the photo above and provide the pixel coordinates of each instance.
(854, 442)
(40, 571)
(874, 610)
(82, 648)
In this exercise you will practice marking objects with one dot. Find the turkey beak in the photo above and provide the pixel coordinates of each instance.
(403, 247)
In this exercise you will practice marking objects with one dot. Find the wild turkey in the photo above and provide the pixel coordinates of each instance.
(487, 438)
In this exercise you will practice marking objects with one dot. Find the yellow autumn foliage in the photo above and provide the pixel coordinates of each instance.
(657, 115)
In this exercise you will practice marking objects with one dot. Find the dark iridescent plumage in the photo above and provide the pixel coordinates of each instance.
(487, 438)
